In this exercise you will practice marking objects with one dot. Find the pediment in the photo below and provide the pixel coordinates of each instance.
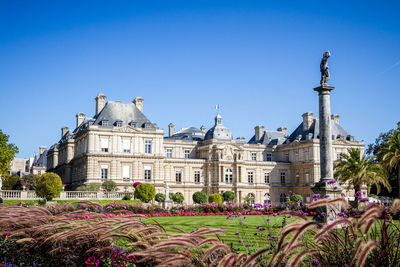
(340, 142)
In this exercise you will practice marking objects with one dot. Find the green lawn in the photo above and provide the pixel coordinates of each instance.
(230, 226)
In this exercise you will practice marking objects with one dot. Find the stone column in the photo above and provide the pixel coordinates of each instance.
(325, 137)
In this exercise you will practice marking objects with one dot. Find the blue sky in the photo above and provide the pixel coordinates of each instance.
(258, 59)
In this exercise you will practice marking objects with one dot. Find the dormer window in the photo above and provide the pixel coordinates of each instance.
(104, 123)
(147, 125)
(118, 123)
(132, 124)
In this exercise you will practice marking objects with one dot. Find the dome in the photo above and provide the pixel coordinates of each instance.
(219, 131)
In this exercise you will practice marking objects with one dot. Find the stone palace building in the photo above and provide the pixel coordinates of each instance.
(120, 144)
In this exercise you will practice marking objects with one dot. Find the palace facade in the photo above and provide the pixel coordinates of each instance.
(120, 144)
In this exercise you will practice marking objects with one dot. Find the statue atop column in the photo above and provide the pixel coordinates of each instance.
(324, 68)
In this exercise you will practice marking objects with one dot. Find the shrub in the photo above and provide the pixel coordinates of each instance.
(178, 198)
(228, 196)
(127, 197)
(145, 192)
(81, 188)
(11, 182)
(215, 198)
(30, 181)
(48, 186)
(109, 186)
(160, 197)
(199, 197)
(94, 187)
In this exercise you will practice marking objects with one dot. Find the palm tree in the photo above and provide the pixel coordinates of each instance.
(357, 169)
(391, 158)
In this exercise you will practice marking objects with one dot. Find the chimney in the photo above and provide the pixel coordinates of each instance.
(203, 129)
(282, 129)
(171, 129)
(308, 119)
(259, 131)
(64, 130)
(42, 149)
(335, 118)
(138, 101)
(100, 102)
(79, 119)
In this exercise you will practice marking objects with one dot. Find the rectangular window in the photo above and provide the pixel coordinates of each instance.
(147, 147)
(283, 178)
(126, 145)
(297, 178)
(306, 155)
(254, 156)
(338, 155)
(187, 153)
(197, 176)
(147, 173)
(307, 178)
(104, 172)
(287, 157)
(266, 177)
(104, 123)
(296, 156)
(169, 153)
(119, 124)
(126, 173)
(269, 157)
(104, 144)
(250, 177)
(228, 176)
(178, 176)
(86, 141)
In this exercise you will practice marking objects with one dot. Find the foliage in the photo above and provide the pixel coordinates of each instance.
(295, 198)
(160, 197)
(127, 197)
(215, 198)
(228, 196)
(178, 198)
(391, 158)
(30, 181)
(199, 197)
(145, 192)
(109, 186)
(93, 187)
(7, 153)
(357, 169)
(48, 186)
(11, 182)
(81, 188)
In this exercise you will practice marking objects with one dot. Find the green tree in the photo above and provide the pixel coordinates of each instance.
(199, 197)
(94, 187)
(160, 197)
(81, 188)
(391, 156)
(228, 196)
(48, 186)
(7, 153)
(30, 180)
(145, 192)
(178, 198)
(11, 182)
(109, 186)
(215, 198)
(357, 169)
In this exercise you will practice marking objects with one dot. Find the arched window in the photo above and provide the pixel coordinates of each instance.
(267, 198)
(283, 200)
(228, 176)
(250, 197)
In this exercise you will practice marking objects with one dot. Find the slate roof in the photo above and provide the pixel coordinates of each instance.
(313, 132)
(218, 131)
(189, 133)
(270, 138)
(40, 159)
(126, 112)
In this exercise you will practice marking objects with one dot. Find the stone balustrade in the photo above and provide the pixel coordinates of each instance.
(65, 195)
